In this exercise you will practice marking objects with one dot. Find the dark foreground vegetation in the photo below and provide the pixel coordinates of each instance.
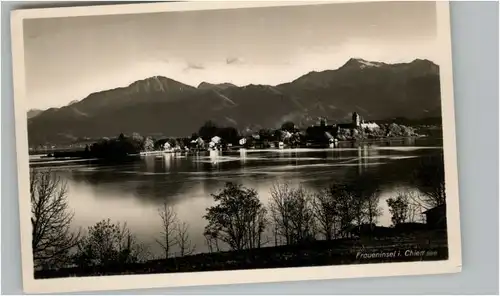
(337, 225)
(423, 245)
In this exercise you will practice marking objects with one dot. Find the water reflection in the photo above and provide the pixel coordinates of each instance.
(132, 192)
(195, 161)
(214, 157)
(243, 156)
(167, 160)
(150, 163)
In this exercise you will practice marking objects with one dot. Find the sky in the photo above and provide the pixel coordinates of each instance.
(68, 58)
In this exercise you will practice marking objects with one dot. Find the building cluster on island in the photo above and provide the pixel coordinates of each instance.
(319, 135)
(211, 137)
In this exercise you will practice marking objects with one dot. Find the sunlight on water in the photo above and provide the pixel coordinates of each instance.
(371, 147)
(133, 192)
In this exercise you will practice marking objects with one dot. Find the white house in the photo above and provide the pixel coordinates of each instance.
(369, 125)
(216, 139)
(214, 143)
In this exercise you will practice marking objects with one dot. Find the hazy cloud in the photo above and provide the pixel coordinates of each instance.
(234, 61)
(194, 66)
(226, 45)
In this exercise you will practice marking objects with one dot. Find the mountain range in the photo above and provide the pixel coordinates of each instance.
(162, 106)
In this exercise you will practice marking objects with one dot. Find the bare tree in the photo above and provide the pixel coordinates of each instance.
(365, 200)
(326, 215)
(341, 210)
(211, 240)
(280, 211)
(343, 198)
(129, 249)
(292, 213)
(52, 238)
(358, 210)
(169, 221)
(256, 225)
(182, 239)
(372, 208)
(415, 204)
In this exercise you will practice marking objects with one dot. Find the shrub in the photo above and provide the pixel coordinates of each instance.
(238, 219)
(107, 244)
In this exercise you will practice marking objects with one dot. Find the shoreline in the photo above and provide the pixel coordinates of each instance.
(55, 159)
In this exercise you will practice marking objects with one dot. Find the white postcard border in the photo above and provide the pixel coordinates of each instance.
(453, 264)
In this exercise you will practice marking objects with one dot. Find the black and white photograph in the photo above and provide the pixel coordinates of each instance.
(235, 137)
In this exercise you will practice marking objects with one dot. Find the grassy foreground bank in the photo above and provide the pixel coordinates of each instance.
(425, 245)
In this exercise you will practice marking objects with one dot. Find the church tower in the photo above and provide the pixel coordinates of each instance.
(356, 119)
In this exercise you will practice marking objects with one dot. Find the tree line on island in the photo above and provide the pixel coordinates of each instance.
(288, 134)
(238, 221)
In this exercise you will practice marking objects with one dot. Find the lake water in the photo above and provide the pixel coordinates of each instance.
(133, 192)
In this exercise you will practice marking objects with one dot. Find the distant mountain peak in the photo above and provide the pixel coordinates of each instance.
(153, 79)
(424, 66)
(207, 85)
(423, 61)
(361, 63)
(158, 84)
